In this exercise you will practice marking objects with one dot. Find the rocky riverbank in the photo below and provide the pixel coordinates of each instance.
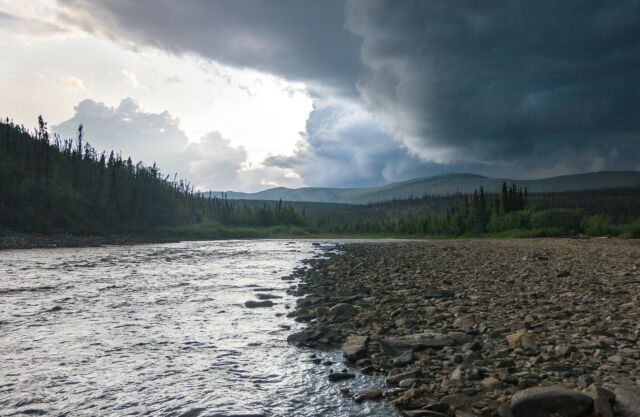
(481, 327)
(13, 240)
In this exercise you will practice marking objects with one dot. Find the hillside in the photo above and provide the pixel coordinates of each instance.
(442, 185)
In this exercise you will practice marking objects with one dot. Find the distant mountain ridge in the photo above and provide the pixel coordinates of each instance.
(440, 185)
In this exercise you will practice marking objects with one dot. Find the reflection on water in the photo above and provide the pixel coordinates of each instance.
(161, 329)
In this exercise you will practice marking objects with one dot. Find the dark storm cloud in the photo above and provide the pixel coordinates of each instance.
(553, 84)
(301, 40)
(518, 88)
(345, 147)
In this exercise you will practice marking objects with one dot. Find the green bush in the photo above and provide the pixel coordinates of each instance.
(631, 231)
(568, 221)
(597, 225)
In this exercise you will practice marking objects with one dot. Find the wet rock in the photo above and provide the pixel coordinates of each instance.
(261, 296)
(257, 304)
(355, 347)
(340, 376)
(305, 336)
(372, 394)
(548, 401)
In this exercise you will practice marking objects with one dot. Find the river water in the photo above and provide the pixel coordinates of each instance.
(162, 330)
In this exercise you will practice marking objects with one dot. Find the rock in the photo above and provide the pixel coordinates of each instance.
(422, 413)
(465, 322)
(305, 336)
(602, 400)
(395, 379)
(466, 371)
(371, 394)
(460, 337)
(547, 401)
(267, 296)
(515, 338)
(256, 304)
(408, 383)
(396, 345)
(491, 384)
(342, 309)
(340, 376)
(528, 343)
(627, 401)
(404, 359)
(355, 347)
(457, 401)
(438, 294)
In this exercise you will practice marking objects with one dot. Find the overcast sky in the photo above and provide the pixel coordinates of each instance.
(246, 95)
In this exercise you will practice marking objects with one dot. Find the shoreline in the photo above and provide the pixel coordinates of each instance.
(461, 326)
(15, 240)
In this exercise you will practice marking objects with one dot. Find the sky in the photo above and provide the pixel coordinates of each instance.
(247, 95)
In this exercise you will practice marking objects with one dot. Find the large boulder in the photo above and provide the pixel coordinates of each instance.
(548, 401)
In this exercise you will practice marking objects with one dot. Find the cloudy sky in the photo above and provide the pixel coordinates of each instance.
(246, 95)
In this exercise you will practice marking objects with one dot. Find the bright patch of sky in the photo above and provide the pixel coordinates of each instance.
(53, 68)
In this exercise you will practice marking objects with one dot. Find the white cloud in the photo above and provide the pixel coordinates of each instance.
(212, 163)
(71, 83)
(131, 79)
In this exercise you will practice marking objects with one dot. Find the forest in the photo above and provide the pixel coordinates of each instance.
(51, 185)
(54, 185)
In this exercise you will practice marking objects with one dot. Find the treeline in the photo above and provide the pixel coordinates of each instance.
(510, 213)
(48, 184)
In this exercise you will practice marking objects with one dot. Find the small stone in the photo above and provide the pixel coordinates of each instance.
(491, 384)
(616, 359)
(465, 322)
(457, 401)
(527, 343)
(466, 371)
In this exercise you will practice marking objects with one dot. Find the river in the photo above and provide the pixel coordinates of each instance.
(162, 330)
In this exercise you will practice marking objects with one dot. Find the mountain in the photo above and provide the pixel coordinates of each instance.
(441, 185)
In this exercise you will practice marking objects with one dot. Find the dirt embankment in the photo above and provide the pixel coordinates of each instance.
(484, 327)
